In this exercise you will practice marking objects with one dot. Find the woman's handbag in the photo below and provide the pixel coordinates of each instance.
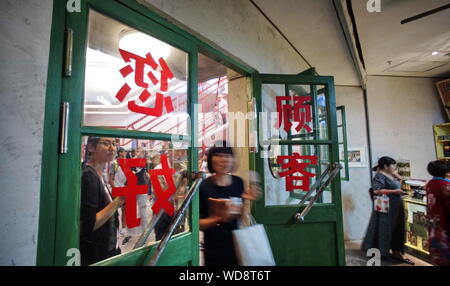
(381, 203)
(252, 245)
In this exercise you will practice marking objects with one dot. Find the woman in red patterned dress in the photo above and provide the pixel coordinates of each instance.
(438, 212)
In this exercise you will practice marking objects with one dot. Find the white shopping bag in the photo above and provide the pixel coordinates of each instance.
(252, 246)
(381, 204)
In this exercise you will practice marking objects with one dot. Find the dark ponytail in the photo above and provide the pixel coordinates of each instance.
(383, 162)
(92, 141)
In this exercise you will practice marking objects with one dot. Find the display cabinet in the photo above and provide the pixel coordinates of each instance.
(442, 141)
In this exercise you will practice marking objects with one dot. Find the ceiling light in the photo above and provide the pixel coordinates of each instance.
(103, 100)
(434, 53)
(142, 44)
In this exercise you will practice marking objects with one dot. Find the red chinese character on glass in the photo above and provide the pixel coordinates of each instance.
(140, 64)
(131, 190)
(299, 112)
(163, 196)
(294, 166)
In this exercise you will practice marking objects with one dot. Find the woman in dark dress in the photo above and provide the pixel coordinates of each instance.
(386, 231)
(99, 218)
(217, 228)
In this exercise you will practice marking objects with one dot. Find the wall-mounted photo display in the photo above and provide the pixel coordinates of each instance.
(356, 157)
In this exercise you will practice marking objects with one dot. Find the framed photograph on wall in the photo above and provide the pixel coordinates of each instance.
(357, 157)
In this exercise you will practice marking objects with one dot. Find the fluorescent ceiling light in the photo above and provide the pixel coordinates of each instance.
(141, 44)
(104, 101)
(434, 53)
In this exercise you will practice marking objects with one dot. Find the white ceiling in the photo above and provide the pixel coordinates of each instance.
(409, 46)
(314, 29)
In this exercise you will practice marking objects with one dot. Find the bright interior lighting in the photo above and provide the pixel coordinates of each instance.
(103, 100)
(141, 44)
(434, 53)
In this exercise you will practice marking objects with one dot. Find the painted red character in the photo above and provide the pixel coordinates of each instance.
(131, 190)
(163, 196)
(139, 73)
(294, 166)
(299, 112)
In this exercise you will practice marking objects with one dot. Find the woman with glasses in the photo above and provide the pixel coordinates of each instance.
(99, 217)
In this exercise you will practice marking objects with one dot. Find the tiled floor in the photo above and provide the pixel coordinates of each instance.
(355, 257)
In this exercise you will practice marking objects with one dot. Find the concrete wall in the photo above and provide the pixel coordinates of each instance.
(402, 112)
(355, 199)
(238, 28)
(239, 90)
(25, 29)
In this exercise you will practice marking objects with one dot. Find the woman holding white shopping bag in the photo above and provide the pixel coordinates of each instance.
(386, 230)
(221, 203)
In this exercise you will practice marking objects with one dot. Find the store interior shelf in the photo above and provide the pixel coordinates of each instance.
(442, 131)
(414, 201)
(416, 248)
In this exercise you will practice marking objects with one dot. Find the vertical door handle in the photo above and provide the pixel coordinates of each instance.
(68, 53)
(65, 110)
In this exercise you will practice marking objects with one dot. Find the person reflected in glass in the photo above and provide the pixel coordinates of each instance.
(99, 216)
(386, 231)
(217, 221)
(143, 203)
(118, 179)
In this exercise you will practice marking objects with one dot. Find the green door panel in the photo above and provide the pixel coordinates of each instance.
(62, 199)
(309, 244)
(319, 240)
(179, 247)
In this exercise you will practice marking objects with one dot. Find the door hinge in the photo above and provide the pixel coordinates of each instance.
(64, 127)
(68, 52)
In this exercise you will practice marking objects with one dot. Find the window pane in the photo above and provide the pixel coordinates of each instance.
(102, 175)
(295, 112)
(220, 104)
(270, 129)
(125, 71)
(301, 180)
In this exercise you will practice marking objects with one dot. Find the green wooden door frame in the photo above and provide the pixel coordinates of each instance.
(69, 185)
(48, 195)
(59, 203)
(320, 213)
(343, 127)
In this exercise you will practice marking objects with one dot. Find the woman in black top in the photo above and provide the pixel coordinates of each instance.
(386, 231)
(218, 242)
(99, 218)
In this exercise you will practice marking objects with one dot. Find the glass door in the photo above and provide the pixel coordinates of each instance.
(131, 89)
(298, 139)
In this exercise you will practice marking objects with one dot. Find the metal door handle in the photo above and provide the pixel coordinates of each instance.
(65, 110)
(155, 219)
(331, 171)
(176, 220)
(68, 53)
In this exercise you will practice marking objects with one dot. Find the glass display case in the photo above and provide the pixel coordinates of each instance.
(416, 241)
